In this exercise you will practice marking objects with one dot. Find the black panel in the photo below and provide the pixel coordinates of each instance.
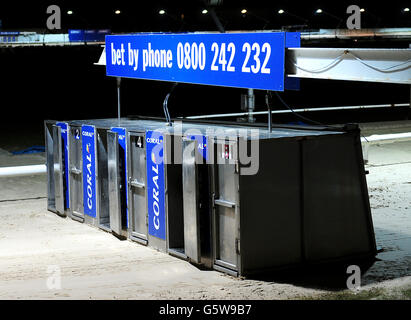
(270, 208)
(337, 218)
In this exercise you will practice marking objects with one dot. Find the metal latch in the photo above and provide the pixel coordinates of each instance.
(136, 184)
(224, 203)
(75, 171)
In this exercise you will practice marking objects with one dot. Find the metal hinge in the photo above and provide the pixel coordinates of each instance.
(237, 245)
(237, 167)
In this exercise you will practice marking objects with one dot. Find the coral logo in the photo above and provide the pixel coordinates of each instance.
(89, 182)
(89, 167)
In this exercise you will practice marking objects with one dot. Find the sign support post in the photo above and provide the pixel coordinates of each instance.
(118, 100)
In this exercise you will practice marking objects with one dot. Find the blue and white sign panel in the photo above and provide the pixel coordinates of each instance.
(122, 141)
(89, 170)
(201, 145)
(243, 60)
(64, 136)
(155, 184)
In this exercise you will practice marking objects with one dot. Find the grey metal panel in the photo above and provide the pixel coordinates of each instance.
(58, 169)
(137, 186)
(48, 135)
(226, 220)
(113, 182)
(75, 173)
(102, 181)
(375, 65)
(327, 34)
(190, 202)
(226, 217)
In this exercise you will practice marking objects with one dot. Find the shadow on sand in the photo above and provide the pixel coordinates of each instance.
(328, 276)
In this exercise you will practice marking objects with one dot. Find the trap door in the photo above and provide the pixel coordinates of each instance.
(137, 187)
(76, 174)
(226, 211)
(190, 201)
(114, 182)
(58, 169)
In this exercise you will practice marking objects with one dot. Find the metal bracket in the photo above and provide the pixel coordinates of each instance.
(76, 171)
(224, 203)
(237, 245)
(136, 184)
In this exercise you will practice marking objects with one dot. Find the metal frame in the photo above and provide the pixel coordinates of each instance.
(219, 264)
(136, 236)
(58, 174)
(237, 114)
(98, 218)
(353, 64)
(168, 142)
(78, 216)
(330, 34)
(192, 245)
(49, 150)
(113, 179)
(33, 39)
(364, 187)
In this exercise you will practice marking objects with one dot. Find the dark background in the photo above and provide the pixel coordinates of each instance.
(62, 83)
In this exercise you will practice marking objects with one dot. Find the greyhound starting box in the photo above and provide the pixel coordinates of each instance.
(238, 198)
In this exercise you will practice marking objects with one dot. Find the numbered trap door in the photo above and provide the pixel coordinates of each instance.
(226, 209)
(137, 187)
(76, 174)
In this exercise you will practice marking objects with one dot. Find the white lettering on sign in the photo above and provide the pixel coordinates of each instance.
(117, 55)
(132, 57)
(156, 192)
(193, 56)
(88, 134)
(154, 140)
(89, 189)
(157, 58)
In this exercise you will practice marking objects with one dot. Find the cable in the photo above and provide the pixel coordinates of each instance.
(379, 69)
(304, 118)
(269, 112)
(165, 103)
(329, 66)
(341, 57)
(296, 114)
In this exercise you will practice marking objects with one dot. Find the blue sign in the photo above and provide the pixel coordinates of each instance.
(202, 145)
(155, 184)
(76, 35)
(87, 35)
(64, 136)
(101, 34)
(9, 33)
(89, 170)
(122, 141)
(244, 60)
